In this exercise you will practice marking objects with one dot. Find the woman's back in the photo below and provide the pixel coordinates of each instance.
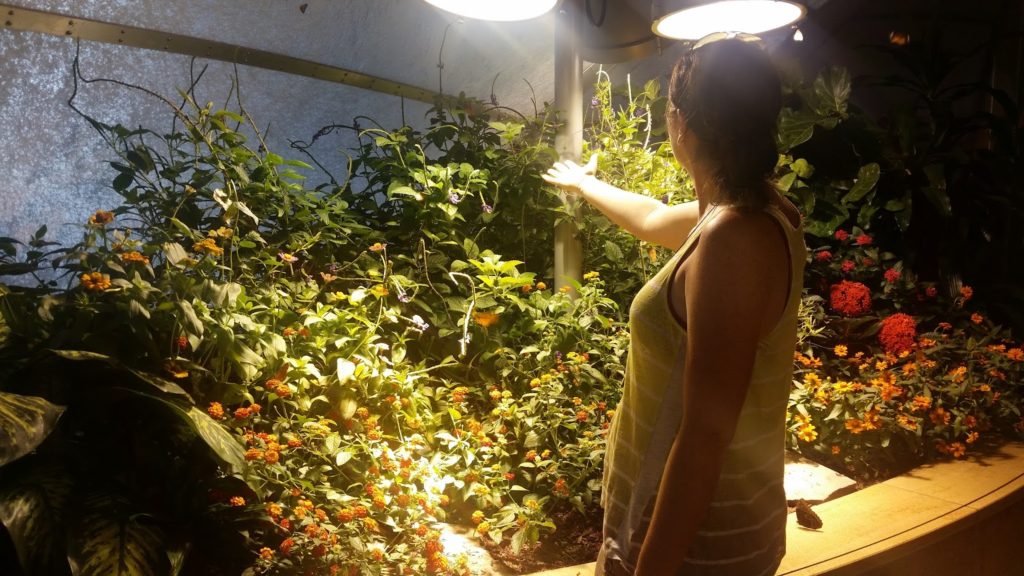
(743, 532)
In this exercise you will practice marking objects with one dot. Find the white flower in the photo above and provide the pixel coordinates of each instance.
(419, 323)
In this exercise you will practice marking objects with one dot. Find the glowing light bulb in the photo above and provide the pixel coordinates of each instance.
(798, 36)
(749, 16)
(498, 10)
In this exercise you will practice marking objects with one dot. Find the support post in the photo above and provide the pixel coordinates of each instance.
(569, 137)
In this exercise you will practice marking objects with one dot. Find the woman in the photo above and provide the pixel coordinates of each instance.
(694, 467)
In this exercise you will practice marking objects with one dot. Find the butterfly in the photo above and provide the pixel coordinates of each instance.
(806, 517)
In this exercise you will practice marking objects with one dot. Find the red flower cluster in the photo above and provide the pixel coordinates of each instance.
(850, 298)
(898, 333)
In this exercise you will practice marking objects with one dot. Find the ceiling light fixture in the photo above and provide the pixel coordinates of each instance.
(693, 19)
(499, 10)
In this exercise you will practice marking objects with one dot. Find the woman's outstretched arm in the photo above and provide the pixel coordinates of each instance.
(642, 216)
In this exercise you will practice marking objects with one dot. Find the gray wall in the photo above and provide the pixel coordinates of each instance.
(53, 167)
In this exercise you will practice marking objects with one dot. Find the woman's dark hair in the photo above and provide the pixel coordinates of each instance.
(729, 94)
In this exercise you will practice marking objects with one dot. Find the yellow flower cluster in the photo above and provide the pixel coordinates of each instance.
(807, 361)
(871, 421)
(209, 246)
(806, 430)
(221, 232)
(135, 257)
(95, 282)
(101, 218)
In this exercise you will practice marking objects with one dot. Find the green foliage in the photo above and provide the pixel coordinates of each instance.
(259, 375)
(25, 422)
(936, 179)
(628, 132)
(910, 377)
(292, 379)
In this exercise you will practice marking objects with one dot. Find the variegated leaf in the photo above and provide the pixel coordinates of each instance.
(222, 442)
(107, 540)
(80, 355)
(32, 511)
(25, 421)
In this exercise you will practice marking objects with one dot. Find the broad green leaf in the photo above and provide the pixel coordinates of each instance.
(25, 421)
(342, 458)
(190, 319)
(160, 383)
(785, 182)
(245, 210)
(80, 355)
(652, 88)
(223, 295)
(867, 211)
(518, 539)
(867, 177)
(802, 168)
(174, 252)
(347, 407)
(136, 309)
(612, 251)
(32, 505)
(182, 227)
(123, 180)
(221, 442)
(795, 128)
(345, 369)
(832, 91)
(108, 540)
(935, 192)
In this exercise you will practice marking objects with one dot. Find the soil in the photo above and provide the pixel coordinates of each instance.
(576, 541)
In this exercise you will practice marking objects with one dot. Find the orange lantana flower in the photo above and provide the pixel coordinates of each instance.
(485, 319)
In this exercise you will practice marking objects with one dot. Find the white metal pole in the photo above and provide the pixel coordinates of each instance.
(569, 137)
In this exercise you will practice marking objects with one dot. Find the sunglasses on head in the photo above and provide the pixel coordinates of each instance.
(718, 36)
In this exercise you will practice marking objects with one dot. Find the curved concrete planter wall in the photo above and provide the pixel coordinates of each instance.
(960, 518)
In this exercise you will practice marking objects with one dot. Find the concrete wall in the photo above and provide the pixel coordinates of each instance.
(53, 170)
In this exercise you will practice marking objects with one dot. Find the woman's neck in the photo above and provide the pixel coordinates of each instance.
(703, 185)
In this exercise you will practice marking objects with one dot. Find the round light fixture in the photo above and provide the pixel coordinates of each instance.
(499, 10)
(690, 20)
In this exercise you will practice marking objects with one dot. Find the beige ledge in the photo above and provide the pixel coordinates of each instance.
(959, 518)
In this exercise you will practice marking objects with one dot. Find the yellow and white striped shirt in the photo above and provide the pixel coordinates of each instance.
(744, 532)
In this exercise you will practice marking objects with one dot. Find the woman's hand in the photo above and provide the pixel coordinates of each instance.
(569, 175)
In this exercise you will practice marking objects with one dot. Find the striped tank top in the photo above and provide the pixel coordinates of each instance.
(744, 531)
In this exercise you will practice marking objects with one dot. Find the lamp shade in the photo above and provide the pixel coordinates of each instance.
(616, 30)
(693, 19)
(500, 10)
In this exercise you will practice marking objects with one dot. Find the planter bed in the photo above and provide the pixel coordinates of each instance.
(951, 518)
